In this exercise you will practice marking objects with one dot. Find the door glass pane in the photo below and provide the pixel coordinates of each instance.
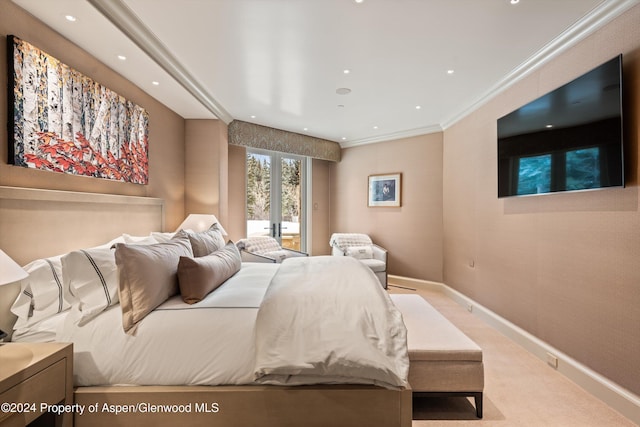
(258, 194)
(291, 203)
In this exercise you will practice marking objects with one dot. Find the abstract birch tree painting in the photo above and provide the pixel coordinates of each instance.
(65, 122)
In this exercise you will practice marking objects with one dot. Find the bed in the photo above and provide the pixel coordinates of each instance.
(127, 391)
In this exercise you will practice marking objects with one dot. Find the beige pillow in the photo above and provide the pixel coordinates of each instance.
(148, 276)
(197, 277)
(206, 242)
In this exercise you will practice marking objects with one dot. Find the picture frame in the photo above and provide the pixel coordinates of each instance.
(385, 190)
(64, 121)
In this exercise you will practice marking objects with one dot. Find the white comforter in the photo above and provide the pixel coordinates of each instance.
(208, 343)
(328, 320)
(213, 342)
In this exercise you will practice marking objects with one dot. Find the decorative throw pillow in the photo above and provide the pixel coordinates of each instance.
(148, 276)
(197, 277)
(360, 252)
(42, 294)
(91, 275)
(206, 242)
(279, 256)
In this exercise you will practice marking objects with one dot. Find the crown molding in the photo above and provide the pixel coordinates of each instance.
(392, 136)
(120, 15)
(593, 21)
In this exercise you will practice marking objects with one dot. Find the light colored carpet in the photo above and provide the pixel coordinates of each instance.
(520, 389)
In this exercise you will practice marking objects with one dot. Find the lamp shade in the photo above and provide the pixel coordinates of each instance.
(10, 271)
(201, 222)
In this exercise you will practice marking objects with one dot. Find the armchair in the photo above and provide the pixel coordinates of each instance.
(264, 249)
(361, 246)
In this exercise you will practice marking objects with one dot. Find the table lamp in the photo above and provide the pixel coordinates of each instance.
(200, 222)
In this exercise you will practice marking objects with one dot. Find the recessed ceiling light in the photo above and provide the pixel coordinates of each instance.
(515, 1)
(359, 1)
(450, 71)
(343, 91)
(70, 18)
(344, 138)
(418, 107)
(122, 57)
(155, 83)
(253, 117)
(549, 126)
(346, 71)
(305, 129)
(375, 127)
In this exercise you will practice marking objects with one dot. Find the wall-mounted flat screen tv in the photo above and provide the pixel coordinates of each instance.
(569, 139)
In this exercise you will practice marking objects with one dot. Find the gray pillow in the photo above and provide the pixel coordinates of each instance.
(206, 242)
(197, 277)
(148, 276)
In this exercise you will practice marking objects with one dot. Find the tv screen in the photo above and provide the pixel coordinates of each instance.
(569, 139)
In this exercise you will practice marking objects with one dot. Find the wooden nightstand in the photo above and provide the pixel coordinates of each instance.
(32, 376)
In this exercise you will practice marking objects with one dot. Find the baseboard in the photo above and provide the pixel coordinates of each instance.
(617, 397)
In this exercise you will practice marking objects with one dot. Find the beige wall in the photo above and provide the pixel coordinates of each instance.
(565, 267)
(320, 207)
(166, 129)
(236, 225)
(206, 174)
(411, 233)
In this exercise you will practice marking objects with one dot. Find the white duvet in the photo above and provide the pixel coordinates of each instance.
(358, 336)
(208, 343)
(328, 320)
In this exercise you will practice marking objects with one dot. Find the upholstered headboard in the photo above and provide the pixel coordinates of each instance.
(40, 223)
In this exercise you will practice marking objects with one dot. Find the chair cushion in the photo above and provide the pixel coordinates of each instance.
(360, 252)
(374, 264)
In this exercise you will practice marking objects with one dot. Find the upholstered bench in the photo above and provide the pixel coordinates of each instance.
(443, 360)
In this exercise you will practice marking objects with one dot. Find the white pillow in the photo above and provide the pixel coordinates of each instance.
(162, 237)
(43, 294)
(139, 240)
(91, 275)
(360, 252)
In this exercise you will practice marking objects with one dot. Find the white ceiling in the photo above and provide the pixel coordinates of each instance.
(279, 62)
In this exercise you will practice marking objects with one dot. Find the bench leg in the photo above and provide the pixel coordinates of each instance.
(477, 397)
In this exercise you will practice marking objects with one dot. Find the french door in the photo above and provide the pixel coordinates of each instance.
(275, 197)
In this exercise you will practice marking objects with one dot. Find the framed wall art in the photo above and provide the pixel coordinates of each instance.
(385, 190)
(63, 121)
